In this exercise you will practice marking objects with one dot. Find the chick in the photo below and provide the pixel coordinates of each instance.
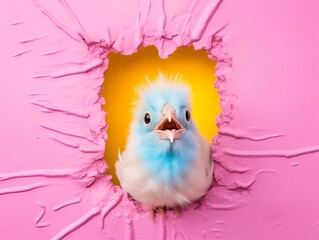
(166, 163)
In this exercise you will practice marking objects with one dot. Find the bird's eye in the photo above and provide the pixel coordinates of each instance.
(187, 115)
(147, 118)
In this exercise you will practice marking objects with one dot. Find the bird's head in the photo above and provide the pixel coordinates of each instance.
(163, 113)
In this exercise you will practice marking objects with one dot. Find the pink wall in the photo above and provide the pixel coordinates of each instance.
(53, 56)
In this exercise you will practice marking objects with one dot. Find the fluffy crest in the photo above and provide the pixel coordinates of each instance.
(164, 87)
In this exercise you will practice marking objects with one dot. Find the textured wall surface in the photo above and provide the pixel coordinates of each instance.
(52, 173)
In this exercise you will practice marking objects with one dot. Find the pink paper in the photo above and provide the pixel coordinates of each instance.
(52, 173)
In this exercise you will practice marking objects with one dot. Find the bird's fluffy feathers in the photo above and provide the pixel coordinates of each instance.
(157, 172)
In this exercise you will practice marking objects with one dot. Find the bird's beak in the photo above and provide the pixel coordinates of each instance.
(169, 127)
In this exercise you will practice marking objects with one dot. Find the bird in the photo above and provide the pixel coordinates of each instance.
(166, 163)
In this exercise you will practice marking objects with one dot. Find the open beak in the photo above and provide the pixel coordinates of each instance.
(169, 127)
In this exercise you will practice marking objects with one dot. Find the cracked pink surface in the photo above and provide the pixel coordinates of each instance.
(52, 173)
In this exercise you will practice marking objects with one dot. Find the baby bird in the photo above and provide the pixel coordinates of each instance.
(166, 163)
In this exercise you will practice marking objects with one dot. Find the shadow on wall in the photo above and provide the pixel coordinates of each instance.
(125, 72)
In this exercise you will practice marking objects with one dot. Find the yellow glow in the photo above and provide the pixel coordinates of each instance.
(125, 72)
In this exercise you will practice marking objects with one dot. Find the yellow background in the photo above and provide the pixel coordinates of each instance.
(125, 72)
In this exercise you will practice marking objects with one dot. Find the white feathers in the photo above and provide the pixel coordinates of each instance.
(146, 189)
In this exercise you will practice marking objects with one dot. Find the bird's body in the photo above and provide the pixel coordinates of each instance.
(166, 162)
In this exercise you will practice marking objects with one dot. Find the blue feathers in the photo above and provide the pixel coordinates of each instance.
(164, 160)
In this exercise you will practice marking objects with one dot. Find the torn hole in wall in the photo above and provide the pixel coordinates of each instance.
(125, 72)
